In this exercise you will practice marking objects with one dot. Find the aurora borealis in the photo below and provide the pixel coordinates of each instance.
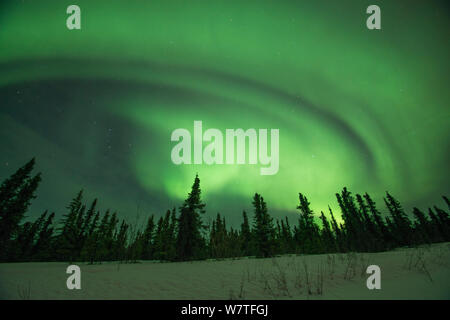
(366, 109)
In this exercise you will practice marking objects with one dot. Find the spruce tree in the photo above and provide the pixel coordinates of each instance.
(190, 240)
(308, 237)
(147, 251)
(444, 222)
(159, 240)
(172, 237)
(438, 230)
(121, 241)
(328, 241)
(423, 229)
(374, 238)
(101, 238)
(246, 236)
(90, 246)
(264, 230)
(382, 230)
(340, 238)
(446, 201)
(67, 239)
(400, 221)
(28, 242)
(42, 250)
(219, 238)
(353, 222)
(16, 194)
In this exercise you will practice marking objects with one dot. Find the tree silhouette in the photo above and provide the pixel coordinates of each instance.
(16, 194)
(86, 234)
(263, 228)
(401, 226)
(190, 241)
(307, 234)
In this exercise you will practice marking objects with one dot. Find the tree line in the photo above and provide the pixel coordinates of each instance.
(86, 234)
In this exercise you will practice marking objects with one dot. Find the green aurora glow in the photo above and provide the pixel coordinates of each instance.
(357, 108)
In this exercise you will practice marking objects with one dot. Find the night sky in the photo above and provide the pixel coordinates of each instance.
(366, 109)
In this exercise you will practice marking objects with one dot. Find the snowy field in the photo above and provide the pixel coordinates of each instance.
(416, 273)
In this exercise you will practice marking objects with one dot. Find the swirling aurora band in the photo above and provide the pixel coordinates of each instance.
(356, 108)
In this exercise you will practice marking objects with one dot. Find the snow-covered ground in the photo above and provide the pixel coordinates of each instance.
(422, 273)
